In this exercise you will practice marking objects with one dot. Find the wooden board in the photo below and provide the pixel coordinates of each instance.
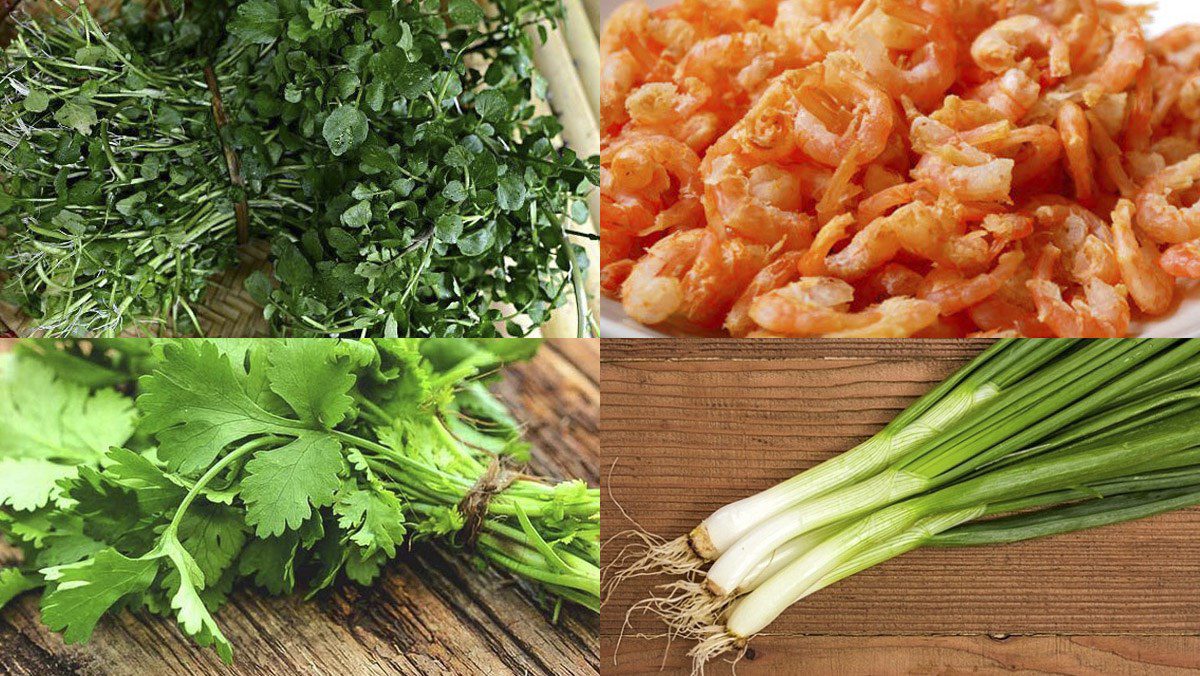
(688, 426)
(430, 613)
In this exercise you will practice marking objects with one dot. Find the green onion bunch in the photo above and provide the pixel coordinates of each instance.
(1033, 438)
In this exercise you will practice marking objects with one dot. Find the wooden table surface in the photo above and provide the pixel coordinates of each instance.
(688, 426)
(430, 613)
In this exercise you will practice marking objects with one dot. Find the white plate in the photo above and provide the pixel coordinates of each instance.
(1183, 323)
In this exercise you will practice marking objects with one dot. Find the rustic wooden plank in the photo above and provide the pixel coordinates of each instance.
(698, 349)
(431, 613)
(923, 655)
(719, 420)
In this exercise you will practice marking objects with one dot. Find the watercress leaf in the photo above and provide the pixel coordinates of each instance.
(282, 485)
(129, 205)
(465, 12)
(346, 83)
(478, 241)
(491, 105)
(70, 222)
(448, 228)
(413, 80)
(258, 285)
(358, 215)
(291, 267)
(510, 192)
(342, 241)
(36, 101)
(77, 114)
(344, 129)
(91, 55)
(256, 21)
(455, 191)
(580, 213)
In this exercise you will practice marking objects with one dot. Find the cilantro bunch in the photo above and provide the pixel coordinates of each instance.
(159, 478)
(391, 152)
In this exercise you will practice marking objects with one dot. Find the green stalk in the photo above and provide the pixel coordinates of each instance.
(1069, 518)
(973, 441)
(1040, 399)
(1066, 468)
(970, 388)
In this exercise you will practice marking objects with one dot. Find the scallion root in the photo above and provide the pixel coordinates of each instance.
(685, 606)
(717, 642)
(660, 557)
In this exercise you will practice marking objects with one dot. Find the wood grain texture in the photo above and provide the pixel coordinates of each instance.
(690, 428)
(431, 613)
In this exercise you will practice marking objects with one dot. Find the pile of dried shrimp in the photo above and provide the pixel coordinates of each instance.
(899, 167)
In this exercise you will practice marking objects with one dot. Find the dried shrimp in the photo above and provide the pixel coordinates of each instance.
(898, 167)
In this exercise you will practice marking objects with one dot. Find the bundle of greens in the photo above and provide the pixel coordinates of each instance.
(390, 151)
(113, 190)
(1083, 433)
(158, 477)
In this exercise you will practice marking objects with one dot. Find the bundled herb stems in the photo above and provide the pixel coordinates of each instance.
(161, 476)
(1059, 435)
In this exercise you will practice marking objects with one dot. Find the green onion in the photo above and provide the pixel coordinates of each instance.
(994, 371)
(1033, 438)
(1083, 463)
(1080, 383)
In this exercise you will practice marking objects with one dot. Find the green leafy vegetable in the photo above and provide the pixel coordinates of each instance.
(390, 153)
(282, 464)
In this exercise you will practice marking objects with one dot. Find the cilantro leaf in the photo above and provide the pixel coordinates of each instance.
(191, 612)
(313, 377)
(271, 562)
(197, 404)
(374, 518)
(43, 416)
(14, 582)
(156, 492)
(213, 535)
(29, 483)
(80, 593)
(282, 485)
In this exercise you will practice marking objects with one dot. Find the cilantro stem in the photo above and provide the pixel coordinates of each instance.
(240, 452)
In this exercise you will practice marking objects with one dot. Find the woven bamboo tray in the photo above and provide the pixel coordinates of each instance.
(570, 62)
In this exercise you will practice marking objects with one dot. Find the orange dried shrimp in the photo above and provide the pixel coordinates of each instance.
(899, 167)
